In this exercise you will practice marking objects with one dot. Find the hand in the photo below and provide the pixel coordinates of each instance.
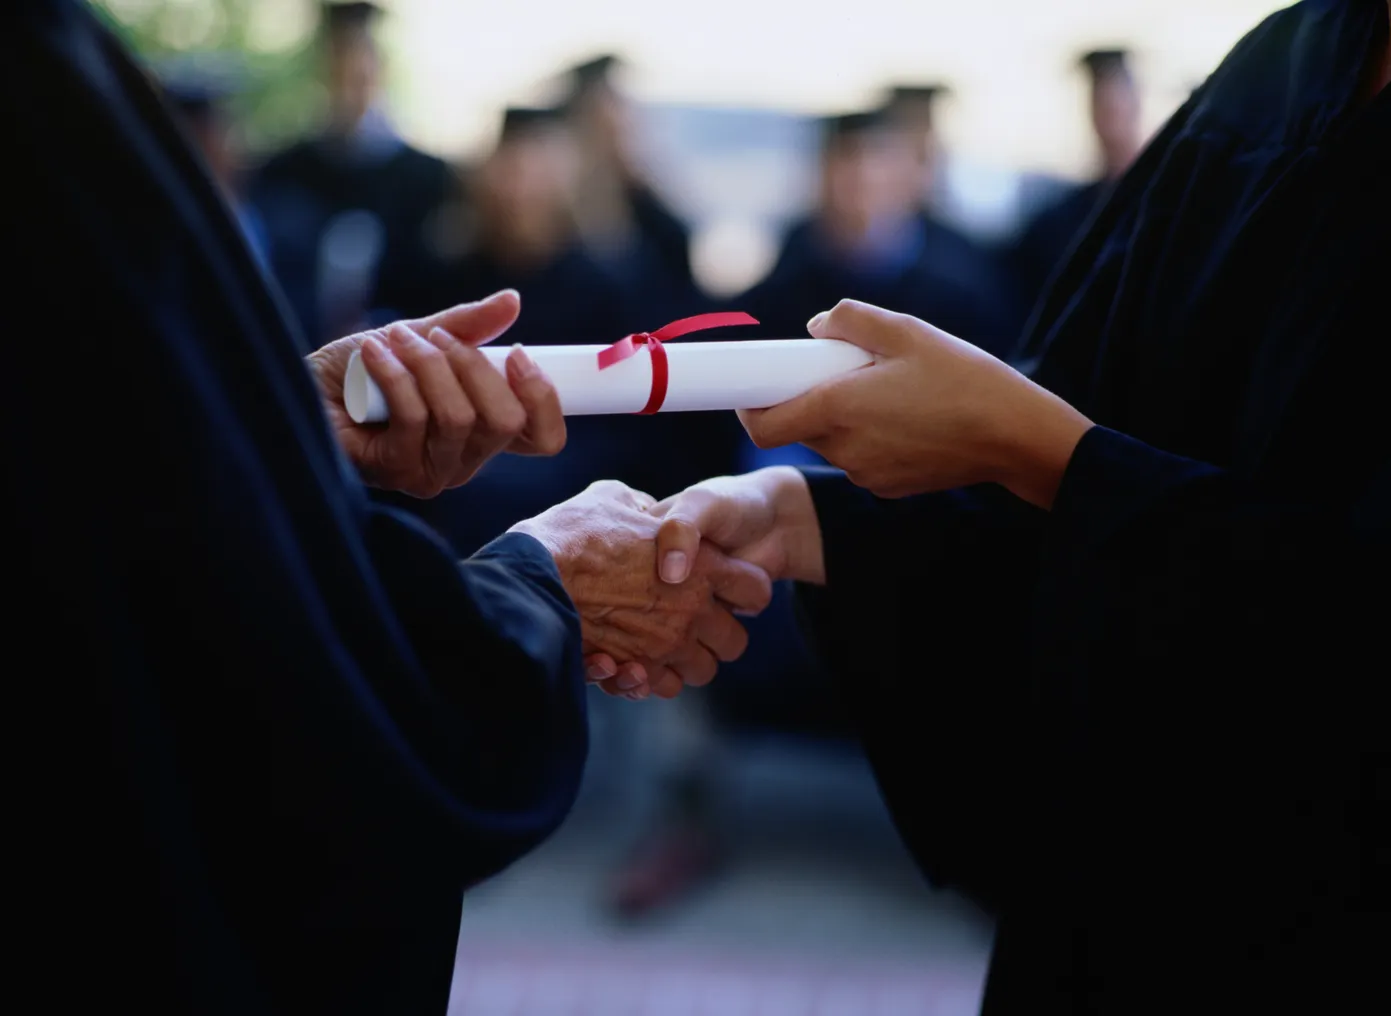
(662, 636)
(451, 410)
(766, 518)
(933, 412)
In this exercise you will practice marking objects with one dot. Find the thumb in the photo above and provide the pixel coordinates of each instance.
(863, 324)
(475, 324)
(687, 518)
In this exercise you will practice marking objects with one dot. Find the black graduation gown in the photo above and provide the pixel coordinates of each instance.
(272, 731)
(1043, 244)
(949, 282)
(300, 190)
(1168, 772)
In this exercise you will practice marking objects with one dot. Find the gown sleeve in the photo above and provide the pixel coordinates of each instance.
(923, 624)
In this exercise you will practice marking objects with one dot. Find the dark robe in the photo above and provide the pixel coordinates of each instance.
(1167, 770)
(933, 272)
(301, 191)
(272, 730)
(1041, 247)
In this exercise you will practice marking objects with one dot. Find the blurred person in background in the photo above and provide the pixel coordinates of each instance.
(524, 237)
(623, 221)
(200, 97)
(871, 239)
(283, 729)
(914, 109)
(351, 212)
(1115, 107)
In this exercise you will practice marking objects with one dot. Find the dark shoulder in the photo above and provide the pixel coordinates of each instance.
(1298, 60)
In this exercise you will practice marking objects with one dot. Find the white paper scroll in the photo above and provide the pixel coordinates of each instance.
(752, 374)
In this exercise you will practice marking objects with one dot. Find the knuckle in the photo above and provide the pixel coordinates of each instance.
(511, 420)
(458, 420)
(551, 442)
(412, 417)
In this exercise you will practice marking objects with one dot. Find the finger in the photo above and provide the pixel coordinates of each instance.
(725, 637)
(631, 681)
(500, 414)
(695, 667)
(452, 414)
(745, 587)
(665, 682)
(804, 418)
(408, 412)
(873, 328)
(475, 324)
(599, 667)
(545, 423)
(688, 518)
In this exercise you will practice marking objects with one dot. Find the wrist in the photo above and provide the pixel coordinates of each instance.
(1035, 445)
(796, 522)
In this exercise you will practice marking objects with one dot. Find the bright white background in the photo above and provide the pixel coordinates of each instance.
(1019, 104)
(1019, 101)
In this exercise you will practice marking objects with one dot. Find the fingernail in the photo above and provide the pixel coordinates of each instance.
(816, 322)
(674, 567)
(629, 681)
(372, 346)
(399, 337)
(597, 672)
(441, 338)
(526, 366)
(637, 694)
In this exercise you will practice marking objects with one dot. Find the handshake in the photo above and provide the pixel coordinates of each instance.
(659, 585)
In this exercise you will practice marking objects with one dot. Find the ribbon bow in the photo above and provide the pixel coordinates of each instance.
(628, 346)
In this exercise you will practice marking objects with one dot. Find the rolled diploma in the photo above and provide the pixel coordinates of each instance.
(752, 374)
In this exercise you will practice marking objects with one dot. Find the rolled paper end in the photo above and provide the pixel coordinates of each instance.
(361, 396)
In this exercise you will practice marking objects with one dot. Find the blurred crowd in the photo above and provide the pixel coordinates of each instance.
(359, 228)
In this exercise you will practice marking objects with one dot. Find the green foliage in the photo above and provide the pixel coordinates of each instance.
(269, 44)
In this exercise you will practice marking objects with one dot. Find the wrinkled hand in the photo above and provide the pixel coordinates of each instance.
(655, 637)
(933, 412)
(450, 409)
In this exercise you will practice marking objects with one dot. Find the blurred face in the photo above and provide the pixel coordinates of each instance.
(1116, 120)
(915, 117)
(868, 179)
(603, 118)
(524, 186)
(354, 75)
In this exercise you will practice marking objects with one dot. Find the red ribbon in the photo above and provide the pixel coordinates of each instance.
(628, 346)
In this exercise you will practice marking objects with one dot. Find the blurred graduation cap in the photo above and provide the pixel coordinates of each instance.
(1104, 63)
(915, 102)
(354, 16)
(522, 121)
(585, 79)
(862, 125)
(595, 71)
(849, 125)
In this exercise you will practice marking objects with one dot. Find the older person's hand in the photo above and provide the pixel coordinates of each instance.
(450, 409)
(932, 412)
(641, 634)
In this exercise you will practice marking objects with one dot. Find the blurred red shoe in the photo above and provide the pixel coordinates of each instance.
(667, 869)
